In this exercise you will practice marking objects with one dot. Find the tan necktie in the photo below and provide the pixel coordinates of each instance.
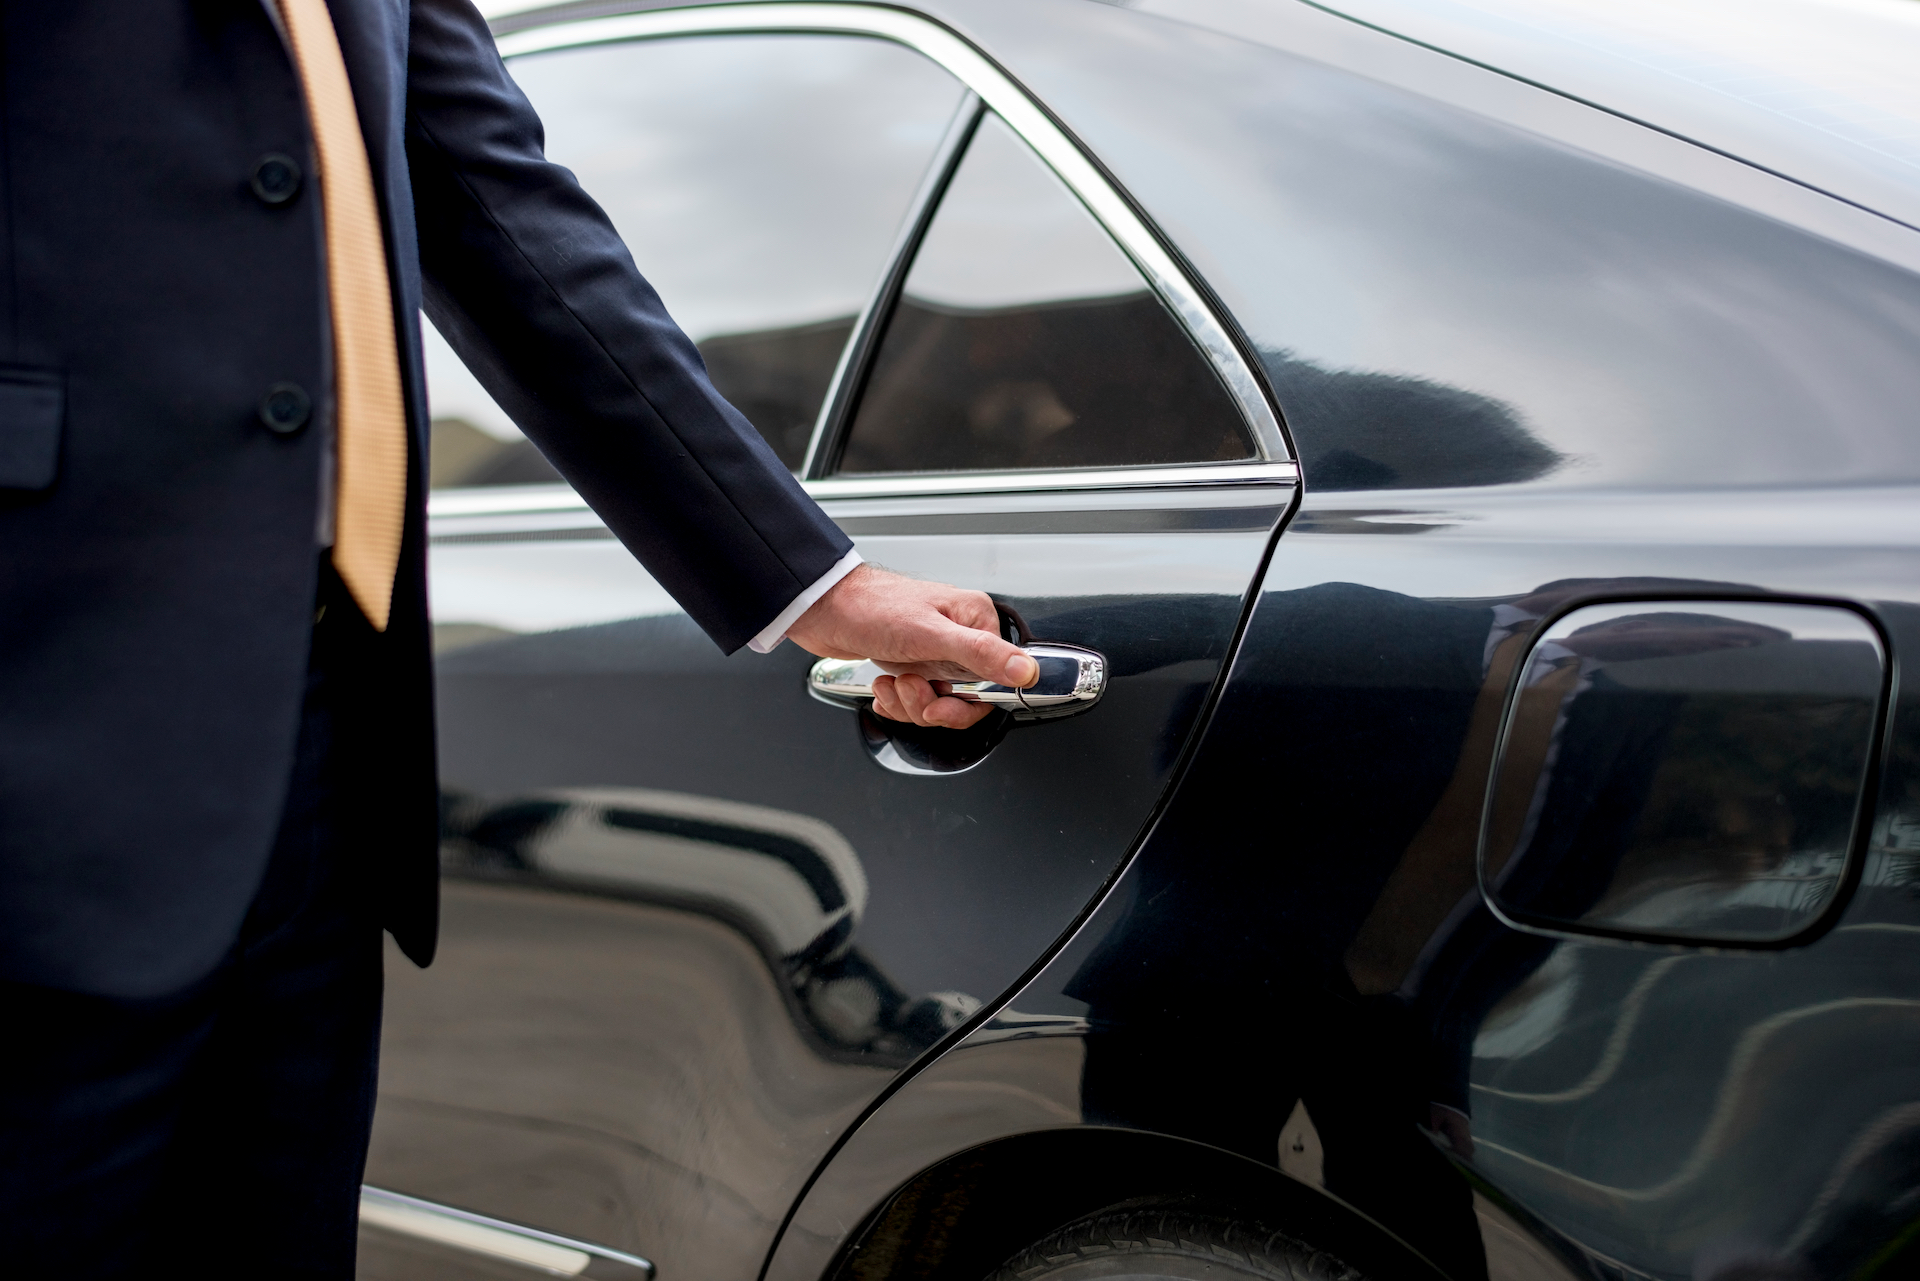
(370, 414)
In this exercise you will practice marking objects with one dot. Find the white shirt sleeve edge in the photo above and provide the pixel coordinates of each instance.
(776, 631)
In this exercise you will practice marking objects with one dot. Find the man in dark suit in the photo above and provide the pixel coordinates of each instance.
(221, 218)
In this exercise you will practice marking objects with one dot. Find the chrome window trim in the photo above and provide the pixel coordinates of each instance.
(1138, 498)
(496, 1239)
(558, 506)
(1001, 95)
(501, 500)
(1269, 489)
(1184, 476)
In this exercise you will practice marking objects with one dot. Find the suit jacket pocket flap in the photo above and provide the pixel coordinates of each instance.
(32, 404)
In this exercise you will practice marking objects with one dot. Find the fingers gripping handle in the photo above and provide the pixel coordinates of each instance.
(1072, 679)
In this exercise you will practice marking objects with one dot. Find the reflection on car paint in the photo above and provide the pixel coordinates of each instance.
(1523, 382)
(1636, 329)
(789, 882)
(1619, 1098)
(1387, 431)
(662, 1077)
(1683, 769)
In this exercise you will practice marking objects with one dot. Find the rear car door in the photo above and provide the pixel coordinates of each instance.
(696, 921)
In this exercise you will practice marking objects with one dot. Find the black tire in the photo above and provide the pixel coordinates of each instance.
(1152, 1245)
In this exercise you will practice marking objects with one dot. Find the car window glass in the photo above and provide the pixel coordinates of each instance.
(760, 181)
(1025, 338)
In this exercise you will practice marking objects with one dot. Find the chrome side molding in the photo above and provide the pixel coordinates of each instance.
(1072, 679)
(558, 506)
(1214, 476)
(463, 1230)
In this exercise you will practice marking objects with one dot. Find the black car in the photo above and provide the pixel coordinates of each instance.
(1460, 463)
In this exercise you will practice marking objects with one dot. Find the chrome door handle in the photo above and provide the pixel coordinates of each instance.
(1071, 680)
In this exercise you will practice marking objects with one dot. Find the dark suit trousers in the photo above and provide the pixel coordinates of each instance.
(221, 1130)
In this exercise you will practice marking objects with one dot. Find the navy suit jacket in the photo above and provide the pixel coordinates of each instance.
(157, 542)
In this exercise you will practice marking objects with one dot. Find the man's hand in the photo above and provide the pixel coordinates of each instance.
(926, 634)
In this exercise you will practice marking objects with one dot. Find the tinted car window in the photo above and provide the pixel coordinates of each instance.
(1024, 337)
(1444, 300)
(760, 181)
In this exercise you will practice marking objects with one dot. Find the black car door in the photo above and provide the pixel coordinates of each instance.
(695, 919)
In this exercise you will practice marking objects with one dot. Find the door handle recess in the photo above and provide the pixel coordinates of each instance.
(1072, 679)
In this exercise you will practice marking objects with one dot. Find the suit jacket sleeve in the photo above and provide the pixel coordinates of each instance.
(528, 280)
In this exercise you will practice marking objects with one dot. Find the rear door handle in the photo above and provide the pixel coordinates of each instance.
(1072, 679)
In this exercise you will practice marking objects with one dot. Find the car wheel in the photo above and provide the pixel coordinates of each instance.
(1180, 1246)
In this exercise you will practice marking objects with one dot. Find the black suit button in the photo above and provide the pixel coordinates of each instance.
(276, 178)
(285, 408)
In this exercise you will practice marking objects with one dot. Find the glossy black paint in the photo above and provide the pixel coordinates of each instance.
(1522, 378)
(1448, 299)
(1669, 769)
(692, 929)
(1647, 1110)
(1664, 1111)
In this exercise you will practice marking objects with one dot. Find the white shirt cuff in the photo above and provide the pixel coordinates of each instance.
(776, 631)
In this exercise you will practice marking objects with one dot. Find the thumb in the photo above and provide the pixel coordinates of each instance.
(988, 656)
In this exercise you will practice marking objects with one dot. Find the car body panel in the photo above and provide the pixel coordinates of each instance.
(680, 1079)
(1648, 1110)
(1519, 340)
(1818, 91)
(627, 809)
(1378, 243)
